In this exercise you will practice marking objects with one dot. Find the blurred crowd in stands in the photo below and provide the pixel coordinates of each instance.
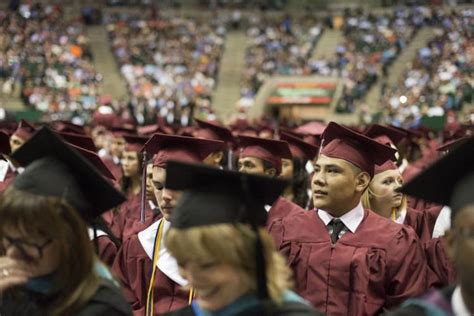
(47, 58)
(277, 46)
(440, 78)
(169, 63)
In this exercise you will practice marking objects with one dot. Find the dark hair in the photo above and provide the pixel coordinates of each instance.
(268, 165)
(300, 183)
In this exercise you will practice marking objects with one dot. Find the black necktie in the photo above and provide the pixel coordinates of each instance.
(337, 225)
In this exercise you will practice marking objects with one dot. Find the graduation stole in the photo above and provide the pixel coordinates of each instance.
(156, 253)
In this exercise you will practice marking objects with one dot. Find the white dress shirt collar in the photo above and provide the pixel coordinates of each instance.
(351, 219)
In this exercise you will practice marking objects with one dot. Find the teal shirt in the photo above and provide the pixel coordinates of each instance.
(242, 304)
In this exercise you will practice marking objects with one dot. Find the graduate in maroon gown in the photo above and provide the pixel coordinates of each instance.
(382, 197)
(295, 169)
(134, 266)
(116, 147)
(456, 190)
(213, 131)
(348, 260)
(127, 221)
(265, 157)
(23, 133)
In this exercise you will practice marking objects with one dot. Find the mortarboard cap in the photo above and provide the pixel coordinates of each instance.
(385, 134)
(456, 169)
(269, 150)
(4, 144)
(214, 196)
(387, 165)
(208, 130)
(311, 128)
(189, 149)
(68, 127)
(119, 131)
(134, 142)
(78, 140)
(53, 168)
(299, 148)
(95, 160)
(360, 150)
(24, 130)
(450, 145)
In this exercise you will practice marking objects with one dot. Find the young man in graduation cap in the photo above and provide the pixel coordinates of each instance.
(209, 130)
(294, 169)
(456, 189)
(348, 260)
(22, 134)
(116, 145)
(265, 157)
(148, 273)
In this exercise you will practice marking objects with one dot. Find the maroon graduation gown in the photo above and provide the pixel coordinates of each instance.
(281, 209)
(441, 269)
(114, 168)
(127, 221)
(133, 268)
(418, 221)
(107, 250)
(363, 273)
(9, 177)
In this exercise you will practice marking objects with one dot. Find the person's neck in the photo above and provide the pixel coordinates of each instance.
(288, 193)
(468, 297)
(382, 209)
(338, 212)
(135, 185)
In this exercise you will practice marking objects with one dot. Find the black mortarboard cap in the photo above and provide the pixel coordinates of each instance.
(54, 168)
(214, 196)
(4, 143)
(449, 180)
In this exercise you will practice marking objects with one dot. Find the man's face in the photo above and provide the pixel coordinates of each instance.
(460, 246)
(165, 198)
(117, 146)
(251, 165)
(334, 185)
(150, 192)
(16, 142)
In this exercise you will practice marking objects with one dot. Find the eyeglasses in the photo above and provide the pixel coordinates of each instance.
(29, 250)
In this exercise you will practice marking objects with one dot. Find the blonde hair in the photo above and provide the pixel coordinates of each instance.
(369, 196)
(75, 280)
(234, 245)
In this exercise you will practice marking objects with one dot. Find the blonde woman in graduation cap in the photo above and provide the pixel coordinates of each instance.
(218, 238)
(383, 198)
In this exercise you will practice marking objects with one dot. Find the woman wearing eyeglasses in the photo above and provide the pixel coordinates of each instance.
(47, 263)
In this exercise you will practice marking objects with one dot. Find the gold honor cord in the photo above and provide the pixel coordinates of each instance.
(156, 254)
